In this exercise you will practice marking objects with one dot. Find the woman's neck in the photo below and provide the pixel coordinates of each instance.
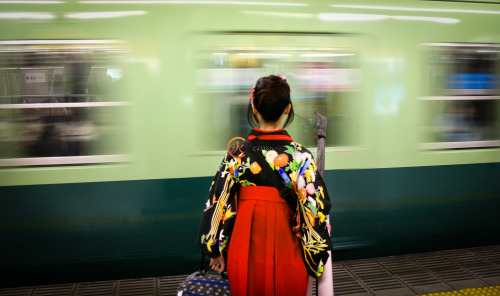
(269, 126)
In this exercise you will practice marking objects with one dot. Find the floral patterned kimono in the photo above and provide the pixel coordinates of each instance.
(269, 247)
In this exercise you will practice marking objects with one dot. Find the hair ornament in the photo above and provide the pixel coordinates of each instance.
(282, 76)
(252, 96)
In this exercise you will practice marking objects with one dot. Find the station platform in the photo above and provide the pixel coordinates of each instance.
(461, 272)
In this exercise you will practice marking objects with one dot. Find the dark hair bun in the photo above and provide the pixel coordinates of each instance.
(271, 97)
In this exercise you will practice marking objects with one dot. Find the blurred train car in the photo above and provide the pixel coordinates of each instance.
(114, 115)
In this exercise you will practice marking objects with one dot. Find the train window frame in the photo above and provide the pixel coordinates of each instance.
(14, 100)
(287, 41)
(459, 95)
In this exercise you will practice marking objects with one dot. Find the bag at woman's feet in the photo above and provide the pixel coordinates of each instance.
(204, 283)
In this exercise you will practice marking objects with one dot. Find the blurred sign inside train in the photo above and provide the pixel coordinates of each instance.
(326, 76)
(61, 99)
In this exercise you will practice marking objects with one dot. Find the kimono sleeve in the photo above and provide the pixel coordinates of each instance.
(220, 212)
(314, 208)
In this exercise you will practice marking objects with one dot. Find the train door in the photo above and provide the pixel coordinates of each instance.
(324, 72)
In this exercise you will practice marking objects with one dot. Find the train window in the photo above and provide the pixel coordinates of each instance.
(462, 96)
(323, 80)
(60, 102)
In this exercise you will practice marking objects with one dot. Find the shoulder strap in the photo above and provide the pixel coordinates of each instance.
(321, 122)
(277, 182)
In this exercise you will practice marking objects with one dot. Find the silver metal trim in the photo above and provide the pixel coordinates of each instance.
(312, 150)
(63, 105)
(458, 98)
(51, 96)
(461, 44)
(458, 145)
(472, 92)
(315, 150)
(63, 160)
(65, 41)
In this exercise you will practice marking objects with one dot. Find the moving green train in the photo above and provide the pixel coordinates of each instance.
(114, 115)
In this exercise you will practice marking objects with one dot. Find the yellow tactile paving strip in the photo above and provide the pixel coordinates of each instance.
(483, 291)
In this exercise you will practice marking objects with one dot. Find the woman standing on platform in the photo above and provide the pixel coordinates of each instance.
(269, 243)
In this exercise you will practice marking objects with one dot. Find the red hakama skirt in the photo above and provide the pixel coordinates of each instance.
(264, 256)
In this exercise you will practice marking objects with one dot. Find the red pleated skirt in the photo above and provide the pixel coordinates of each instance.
(264, 256)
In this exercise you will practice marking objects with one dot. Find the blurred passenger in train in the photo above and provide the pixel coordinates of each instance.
(269, 241)
(460, 123)
(77, 76)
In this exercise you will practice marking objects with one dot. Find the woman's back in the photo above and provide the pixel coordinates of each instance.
(269, 244)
